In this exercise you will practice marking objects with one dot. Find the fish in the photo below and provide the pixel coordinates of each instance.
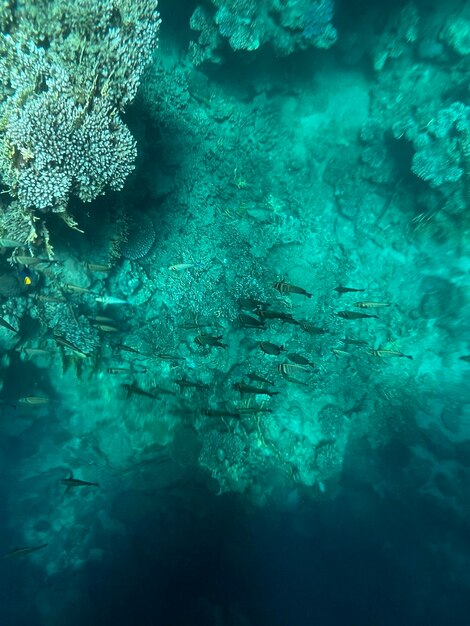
(97, 267)
(20, 552)
(259, 379)
(244, 388)
(354, 342)
(33, 260)
(62, 341)
(169, 357)
(106, 328)
(101, 319)
(271, 348)
(57, 299)
(70, 482)
(247, 321)
(340, 289)
(465, 357)
(312, 329)
(36, 352)
(110, 300)
(34, 400)
(339, 352)
(219, 413)
(26, 276)
(11, 243)
(183, 382)
(138, 391)
(283, 287)
(76, 288)
(122, 346)
(210, 340)
(8, 326)
(179, 267)
(250, 304)
(287, 369)
(276, 315)
(382, 353)
(353, 315)
(298, 359)
(370, 305)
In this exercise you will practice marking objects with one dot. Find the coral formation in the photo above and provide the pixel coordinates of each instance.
(67, 72)
(250, 24)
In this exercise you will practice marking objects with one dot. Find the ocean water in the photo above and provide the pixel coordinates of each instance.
(234, 313)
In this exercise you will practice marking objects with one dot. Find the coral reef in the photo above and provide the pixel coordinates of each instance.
(318, 204)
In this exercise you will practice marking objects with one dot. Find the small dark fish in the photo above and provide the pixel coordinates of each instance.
(125, 348)
(210, 340)
(276, 315)
(8, 326)
(354, 342)
(271, 348)
(247, 321)
(340, 289)
(298, 359)
(312, 329)
(138, 391)
(283, 287)
(169, 357)
(354, 315)
(219, 413)
(71, 482)
(250, 304)
(243, 388)
(19, 552)
(259, 379)
(183, 382)
(465, 357)
(367, 304)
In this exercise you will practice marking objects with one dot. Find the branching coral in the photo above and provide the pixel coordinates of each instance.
(66, 72)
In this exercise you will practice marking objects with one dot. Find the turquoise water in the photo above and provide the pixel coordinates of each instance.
(235, 349)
